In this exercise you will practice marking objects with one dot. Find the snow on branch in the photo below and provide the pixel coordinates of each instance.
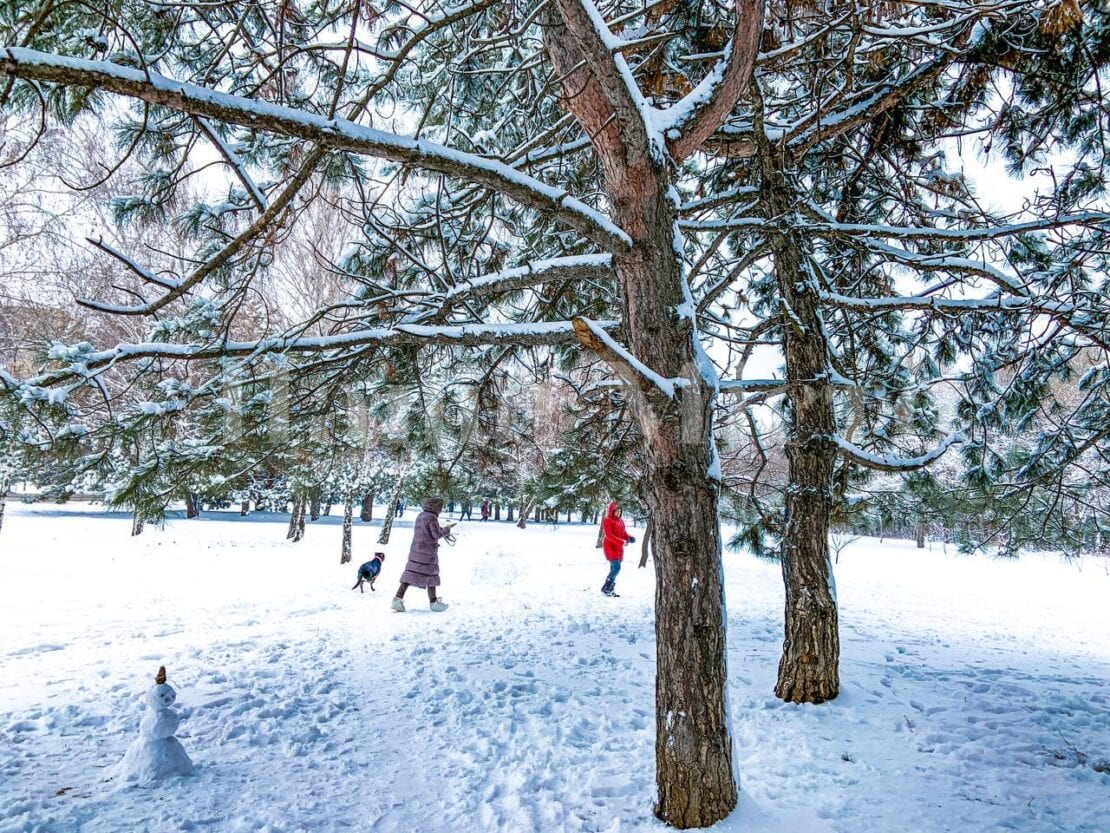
(335, 133)
(598, 53)
(592, 334)
(234, 162)
(753, 385)
(141, 271)
(947, 263)
(993, 303)
(460, 335)
(887, 462)
(691, 121)
(866, 106)
(1086, 218)
(573, 268)
(229, 251)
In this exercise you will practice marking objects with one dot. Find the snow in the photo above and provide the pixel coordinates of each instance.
(665, 385)
(360, 138)
(974, 697)
(892, 462)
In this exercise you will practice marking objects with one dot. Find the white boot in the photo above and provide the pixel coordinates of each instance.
(397, 605)
(438, 607)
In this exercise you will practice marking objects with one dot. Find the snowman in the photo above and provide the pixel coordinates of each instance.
(156, 753)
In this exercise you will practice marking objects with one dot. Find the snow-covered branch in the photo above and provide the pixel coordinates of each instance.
(337, 134)
(593, 335)
(234, 162)
(700, 113)
(753, 385)
(572, 268)
(586, 45)
(1086, 218)
(460, 335)
(888, 462)
(141, 271)
(995, 302)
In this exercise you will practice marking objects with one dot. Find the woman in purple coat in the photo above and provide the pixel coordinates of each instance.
(422, 568)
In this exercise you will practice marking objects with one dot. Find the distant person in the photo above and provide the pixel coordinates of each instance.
(399, 509)
(467, 508)
(422, 568)
(615, 537)
(485, 510)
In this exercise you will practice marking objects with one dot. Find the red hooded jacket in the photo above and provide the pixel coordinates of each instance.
(612, 527)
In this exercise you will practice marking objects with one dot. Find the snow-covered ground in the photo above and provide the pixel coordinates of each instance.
(975, 691)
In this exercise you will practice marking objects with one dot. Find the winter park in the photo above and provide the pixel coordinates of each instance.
(554, 415)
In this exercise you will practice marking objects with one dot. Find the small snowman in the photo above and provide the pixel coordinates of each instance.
(156, 754)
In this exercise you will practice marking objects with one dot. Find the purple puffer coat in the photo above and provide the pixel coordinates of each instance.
(422, 569)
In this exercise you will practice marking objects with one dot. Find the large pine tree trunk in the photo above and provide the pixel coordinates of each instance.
(314, 505)
(137, 524)
(348, 516)
(387, 525)
(367, 513)
(693, 748)
(809, 668)
(920, 535)
(192, 505)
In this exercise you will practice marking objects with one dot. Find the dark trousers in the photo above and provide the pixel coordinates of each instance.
(404, 586)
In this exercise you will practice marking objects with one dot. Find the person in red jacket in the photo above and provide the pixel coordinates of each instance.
(615, 536)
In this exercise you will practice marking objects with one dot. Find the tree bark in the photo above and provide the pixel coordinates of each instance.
(525, 508)
(137, 524)
(244, 508)
(367, 513)
(348, 514)
(497, 511)
(509, 513)
(192, 505)
(387, 524)
(296, 520)
(5, 486)
(809, 667)
(920, 535)
(645, 546)
(314, 505)
(300, 521)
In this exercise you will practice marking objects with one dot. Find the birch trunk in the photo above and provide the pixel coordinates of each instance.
(348, 516)
(387, 524)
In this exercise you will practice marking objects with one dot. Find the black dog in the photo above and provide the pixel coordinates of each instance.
(368, 572)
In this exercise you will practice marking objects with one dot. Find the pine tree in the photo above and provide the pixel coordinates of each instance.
(645, 183)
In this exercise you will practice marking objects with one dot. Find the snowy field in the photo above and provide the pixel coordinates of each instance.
(975, 691)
